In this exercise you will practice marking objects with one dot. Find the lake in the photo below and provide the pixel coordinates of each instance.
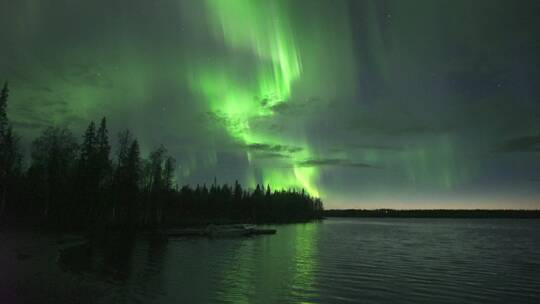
(332, 261)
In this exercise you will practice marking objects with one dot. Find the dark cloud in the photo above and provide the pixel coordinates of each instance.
(297, 106)
(386, 121)
(271, 155)
(375, 147)
(520, 144)
(333, 162)
(273, 148)
(389, 128)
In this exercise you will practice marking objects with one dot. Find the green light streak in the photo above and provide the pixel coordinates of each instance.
(261, 31)
(437, 164)
(261, 28)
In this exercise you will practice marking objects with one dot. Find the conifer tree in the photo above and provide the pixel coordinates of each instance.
(10, 156)
(103, 152)
(168, 173)
(88, 148)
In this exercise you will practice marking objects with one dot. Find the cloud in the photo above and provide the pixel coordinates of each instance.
(375, 147)
(399, 130)
(333, 162)
(297, 106)
(270, 155)
(387, 122)
(273, 148)
(520, 144)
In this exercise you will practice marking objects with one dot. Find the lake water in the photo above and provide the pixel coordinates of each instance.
(333, 261)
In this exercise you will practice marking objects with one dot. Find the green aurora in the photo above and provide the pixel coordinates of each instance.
(261, 30)
(362, 103)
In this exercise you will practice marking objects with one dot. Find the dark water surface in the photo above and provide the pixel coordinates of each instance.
(334, 261)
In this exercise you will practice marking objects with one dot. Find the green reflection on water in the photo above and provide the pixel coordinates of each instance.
(278, 268)
(237, 279)
(270, 268)
(305, 258)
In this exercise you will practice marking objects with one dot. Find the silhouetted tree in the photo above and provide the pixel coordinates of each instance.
(156, 163)
(10, 156)
(79, 185)
(126, 178)
(4, 94)
(87, 178)
(89, 147)
(168, 173)
(53, 157)
(159, 174)
(134, 165)
(94, 171)
(103, 170)
(103, 154)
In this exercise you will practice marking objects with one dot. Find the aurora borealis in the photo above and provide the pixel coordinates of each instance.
(367, 104)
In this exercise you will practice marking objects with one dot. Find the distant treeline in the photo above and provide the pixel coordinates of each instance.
(78, 184)
(433, 213)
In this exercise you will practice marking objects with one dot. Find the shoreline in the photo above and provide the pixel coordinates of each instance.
(434, 213)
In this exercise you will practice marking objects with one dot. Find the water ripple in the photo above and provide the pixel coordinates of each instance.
(335, 261)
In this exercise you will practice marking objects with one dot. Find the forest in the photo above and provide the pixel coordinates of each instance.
(71, 183)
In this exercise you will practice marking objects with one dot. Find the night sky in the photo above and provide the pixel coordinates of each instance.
(367, 104)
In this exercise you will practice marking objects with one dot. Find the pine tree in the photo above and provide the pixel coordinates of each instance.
(53, 154)
(156, 169)
(258, 191)
(88, 149)
(126, 178)
(87, 181)
(5, 133)
(134, 165)
(102, 138)
(4, 94)
(238, 192)
(125, 140)
(10, 156)
(168, 173)
(103, 152)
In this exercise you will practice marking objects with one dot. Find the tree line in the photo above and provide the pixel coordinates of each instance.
(72, 183)
(433, 213)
